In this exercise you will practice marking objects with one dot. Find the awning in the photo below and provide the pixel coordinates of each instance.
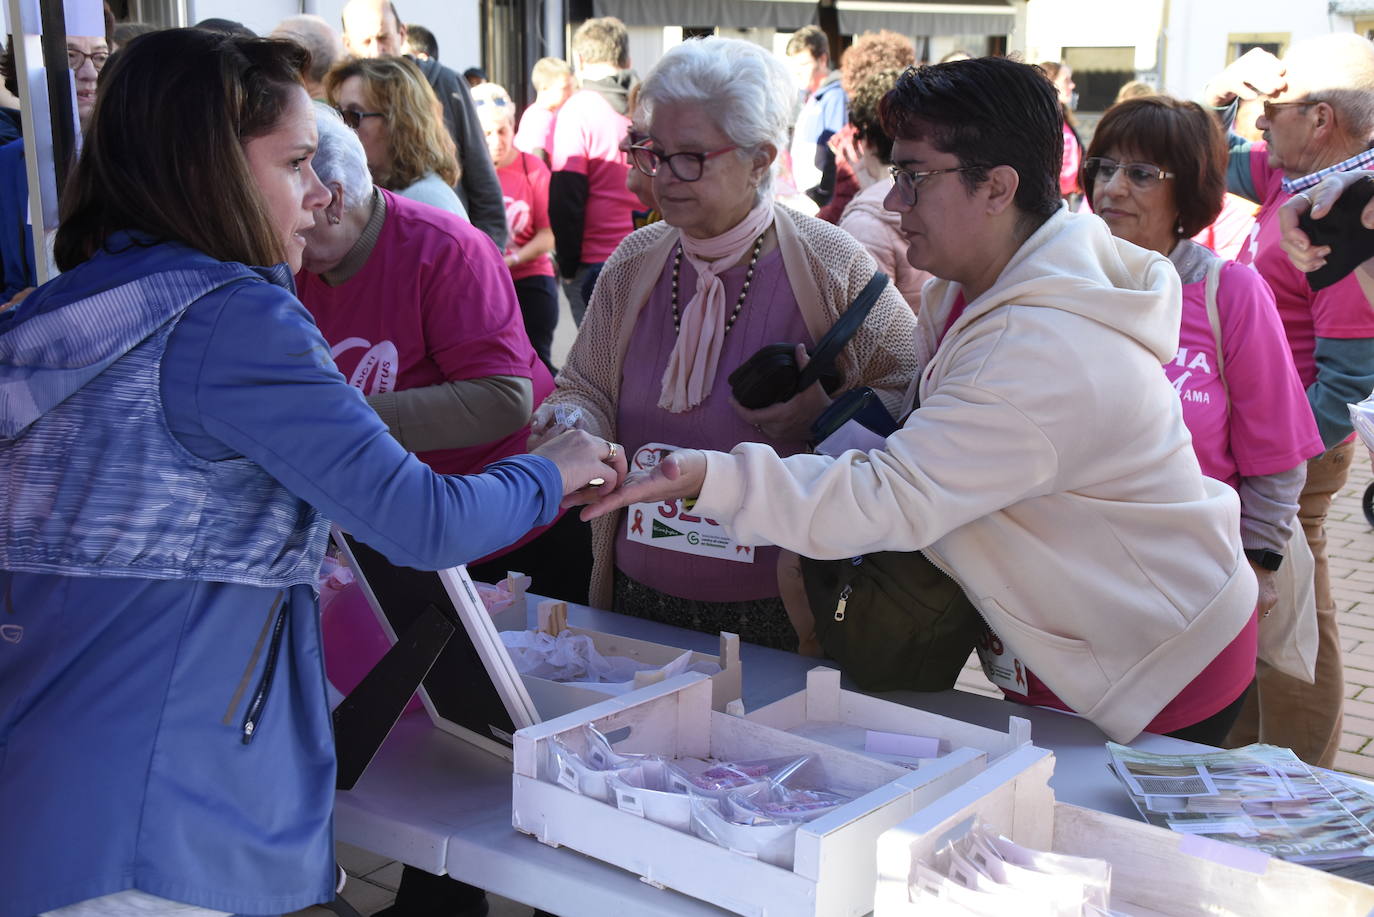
(1352, 7)
(785, 15)
(913, 17)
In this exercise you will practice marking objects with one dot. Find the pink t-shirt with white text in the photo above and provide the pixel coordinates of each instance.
(1339, 311)
(525, 188)
(586, 140)
(1269, 426)
(434, 303)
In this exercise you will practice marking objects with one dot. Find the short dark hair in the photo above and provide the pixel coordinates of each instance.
(811, 39)
(987, 111)
(144, 171)
(602, 41)
(422, 39)
(1179, 137)
(864, 103)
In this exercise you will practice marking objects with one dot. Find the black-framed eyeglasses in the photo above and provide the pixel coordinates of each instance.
(77, 59)
(908, 182)
(686, 166)
(1142, 175)
(354, 119)
(1270, 108)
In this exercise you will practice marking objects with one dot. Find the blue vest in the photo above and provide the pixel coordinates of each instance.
(95, 484)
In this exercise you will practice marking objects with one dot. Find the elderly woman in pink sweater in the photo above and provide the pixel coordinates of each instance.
(682, 303)
(878, 229)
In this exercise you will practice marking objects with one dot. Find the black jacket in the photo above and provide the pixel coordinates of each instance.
(479, 188)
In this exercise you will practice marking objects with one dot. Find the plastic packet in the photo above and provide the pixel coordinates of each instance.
(495, 599)
(724, 776)
(1067, 893)
(933, 882)
(646, 790)
(761, 821)
(1096, 875)
(583, 760)
(773, 803)
(1362, 418)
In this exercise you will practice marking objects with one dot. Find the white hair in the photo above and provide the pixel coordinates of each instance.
(1338, 69)
(748, 91)
(340, 157)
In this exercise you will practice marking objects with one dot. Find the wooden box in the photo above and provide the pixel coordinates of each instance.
(832, 872)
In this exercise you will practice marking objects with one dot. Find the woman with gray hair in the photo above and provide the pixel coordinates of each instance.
(682, 303)
(421, 317)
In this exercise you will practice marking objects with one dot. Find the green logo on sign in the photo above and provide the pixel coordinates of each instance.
(663, 531)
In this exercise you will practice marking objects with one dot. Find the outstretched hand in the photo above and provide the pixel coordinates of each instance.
(1305, 256)
(1256, 74)
(679, 476)
(591, 467)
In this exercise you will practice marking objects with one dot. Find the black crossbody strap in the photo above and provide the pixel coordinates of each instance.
(830, 346)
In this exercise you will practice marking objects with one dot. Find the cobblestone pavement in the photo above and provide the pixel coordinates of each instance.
(372, 879)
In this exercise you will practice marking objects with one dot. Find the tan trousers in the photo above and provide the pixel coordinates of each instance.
(1285, 711)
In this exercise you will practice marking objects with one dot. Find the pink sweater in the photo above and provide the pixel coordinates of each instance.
(879, 231)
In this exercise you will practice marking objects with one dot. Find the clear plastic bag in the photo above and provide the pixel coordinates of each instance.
(574, 659)
(761, 821)
(583, 761)
(647, 789)
(724, 776)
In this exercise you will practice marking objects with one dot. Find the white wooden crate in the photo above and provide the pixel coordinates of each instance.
(1151, 875)
(550, 696)
(826, 712)
(833, 869)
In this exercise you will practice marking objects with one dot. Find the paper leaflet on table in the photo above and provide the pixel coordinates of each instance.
(1260, 797)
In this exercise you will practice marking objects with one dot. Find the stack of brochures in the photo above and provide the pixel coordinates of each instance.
(1261, 797)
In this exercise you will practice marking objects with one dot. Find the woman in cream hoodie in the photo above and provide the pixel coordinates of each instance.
(1045, 466)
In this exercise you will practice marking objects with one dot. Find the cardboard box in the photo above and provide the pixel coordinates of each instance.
(1155, 872)
(832, 872)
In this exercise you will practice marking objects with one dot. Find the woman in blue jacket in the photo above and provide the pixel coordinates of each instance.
(173, 437)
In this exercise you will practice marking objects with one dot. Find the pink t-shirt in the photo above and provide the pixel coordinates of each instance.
(535, 131)
(434, 303)
(525, 187)
(1073, 158)
(1269, 427)
(1230, 232)
(586, 140)
(769, 315)
(1339, 311)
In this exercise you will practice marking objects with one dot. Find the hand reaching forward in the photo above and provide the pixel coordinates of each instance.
(1305, 256)
(678, 476)
(583, 460)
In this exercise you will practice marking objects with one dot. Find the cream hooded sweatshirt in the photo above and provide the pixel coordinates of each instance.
(1047, 469)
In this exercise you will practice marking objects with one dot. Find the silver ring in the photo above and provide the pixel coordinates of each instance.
(610, 445)
(1307, 197)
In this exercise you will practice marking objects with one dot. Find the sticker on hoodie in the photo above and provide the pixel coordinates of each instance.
(672, 526)
(1000, 664)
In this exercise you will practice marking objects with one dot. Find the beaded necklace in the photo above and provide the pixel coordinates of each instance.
(743, 291)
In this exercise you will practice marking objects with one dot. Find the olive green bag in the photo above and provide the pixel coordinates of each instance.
(892, 620)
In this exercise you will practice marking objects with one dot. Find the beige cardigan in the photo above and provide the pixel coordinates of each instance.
(826, 269)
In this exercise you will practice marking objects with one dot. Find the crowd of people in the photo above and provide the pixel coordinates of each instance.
(1120, 406)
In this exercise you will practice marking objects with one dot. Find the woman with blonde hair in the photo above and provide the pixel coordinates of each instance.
(388, 101)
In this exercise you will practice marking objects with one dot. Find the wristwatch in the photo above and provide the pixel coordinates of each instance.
(1264, 558)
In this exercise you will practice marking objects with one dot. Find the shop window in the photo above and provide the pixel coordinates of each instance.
(1238, 43)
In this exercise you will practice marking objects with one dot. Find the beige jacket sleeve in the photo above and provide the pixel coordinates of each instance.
(452, 415)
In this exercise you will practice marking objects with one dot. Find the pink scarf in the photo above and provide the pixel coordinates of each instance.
(692, 364)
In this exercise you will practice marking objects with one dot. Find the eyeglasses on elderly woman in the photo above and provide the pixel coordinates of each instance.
(1142, 175)
(77, 58)
(686, 166)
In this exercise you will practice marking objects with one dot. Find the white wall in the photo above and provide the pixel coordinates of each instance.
(1197, 32)
(1052, 25)
(455, 23)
